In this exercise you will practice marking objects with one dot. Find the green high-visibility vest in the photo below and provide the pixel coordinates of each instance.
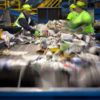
(17, 21)
(85, 18)
(72, 15)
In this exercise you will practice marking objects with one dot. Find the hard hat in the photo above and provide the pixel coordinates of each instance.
(80, 4)
(73, 6)
(27, 7)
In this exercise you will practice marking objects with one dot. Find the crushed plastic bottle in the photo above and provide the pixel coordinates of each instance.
(43, 43)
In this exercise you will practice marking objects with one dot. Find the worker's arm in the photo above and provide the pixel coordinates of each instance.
(75, 25)
(70, 17)
(25, 25)
(84, 20)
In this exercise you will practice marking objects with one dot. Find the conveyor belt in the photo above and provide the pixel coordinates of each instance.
(33, 75)
(12, 75)
(30, 48)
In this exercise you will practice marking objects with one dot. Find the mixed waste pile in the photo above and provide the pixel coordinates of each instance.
(62, 58)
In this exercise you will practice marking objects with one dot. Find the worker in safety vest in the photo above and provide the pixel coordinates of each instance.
(24, 20)
(73, 14)
(83, 20)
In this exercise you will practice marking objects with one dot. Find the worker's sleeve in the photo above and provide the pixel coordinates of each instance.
(70, 16)
(87, 18)
(74, 25)
(77, 21)
(25, 25)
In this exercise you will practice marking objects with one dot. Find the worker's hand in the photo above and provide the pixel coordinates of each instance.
(37, 33)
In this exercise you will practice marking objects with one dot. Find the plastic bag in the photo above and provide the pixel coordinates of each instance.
(66, 37)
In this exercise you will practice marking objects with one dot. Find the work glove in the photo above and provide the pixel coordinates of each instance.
(73, 27)
(37, 33)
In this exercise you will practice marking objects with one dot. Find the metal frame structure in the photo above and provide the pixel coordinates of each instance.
(4, 3)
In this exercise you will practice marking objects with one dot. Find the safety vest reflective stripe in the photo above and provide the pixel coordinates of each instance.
(21, 16)
(29, 20)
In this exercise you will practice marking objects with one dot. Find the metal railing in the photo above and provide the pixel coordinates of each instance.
(46, 3)
(3, 5)
(95, 24)
(17, 2)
